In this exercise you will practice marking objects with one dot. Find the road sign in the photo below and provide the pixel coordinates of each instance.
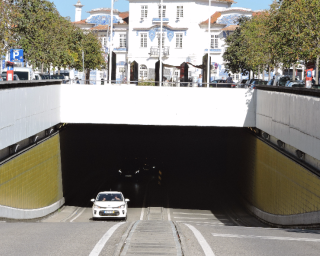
(16, 55)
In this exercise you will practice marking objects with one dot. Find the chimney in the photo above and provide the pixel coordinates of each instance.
(78, 11)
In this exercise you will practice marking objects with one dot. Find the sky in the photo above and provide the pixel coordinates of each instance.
(66, 8)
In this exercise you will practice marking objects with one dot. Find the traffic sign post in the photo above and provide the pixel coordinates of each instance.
(16, 55)
(9, 65)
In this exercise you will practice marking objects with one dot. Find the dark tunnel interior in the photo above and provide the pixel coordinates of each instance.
(199, 165)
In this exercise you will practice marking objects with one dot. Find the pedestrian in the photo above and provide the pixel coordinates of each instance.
(200, 81)
(229, 79)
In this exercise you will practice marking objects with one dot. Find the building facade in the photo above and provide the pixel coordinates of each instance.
(185, 36)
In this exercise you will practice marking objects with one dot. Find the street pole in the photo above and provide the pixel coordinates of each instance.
(209, 33)
(111, 42)
(160, 50)
(83, 65)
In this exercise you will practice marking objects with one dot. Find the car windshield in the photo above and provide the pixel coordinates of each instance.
(109, 197)
(22, 75)
(283, 80)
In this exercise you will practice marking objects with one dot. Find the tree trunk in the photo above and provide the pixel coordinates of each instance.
(87, 76)
(269, 74)
(59, 71)
(294, 72)
(259, 73)
(317, 71)
(41, 68)
(264, 73)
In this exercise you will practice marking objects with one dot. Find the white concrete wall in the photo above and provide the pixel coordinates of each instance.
(27, 111)
(157, 105)
(294, 119)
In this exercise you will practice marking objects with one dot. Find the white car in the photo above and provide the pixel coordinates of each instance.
(110, 204)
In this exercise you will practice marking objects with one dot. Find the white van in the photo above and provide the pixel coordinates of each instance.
(22, 73)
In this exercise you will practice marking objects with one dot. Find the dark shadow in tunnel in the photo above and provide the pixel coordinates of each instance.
(199, 169)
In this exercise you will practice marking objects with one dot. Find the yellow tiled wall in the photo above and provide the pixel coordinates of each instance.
(33, 179)
(276, 184)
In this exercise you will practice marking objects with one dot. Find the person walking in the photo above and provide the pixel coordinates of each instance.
(229, 79)
(200, 81)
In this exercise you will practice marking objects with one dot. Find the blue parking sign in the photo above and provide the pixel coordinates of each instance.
(16, 55)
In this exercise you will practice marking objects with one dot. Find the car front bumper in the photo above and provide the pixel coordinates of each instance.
(109, 213)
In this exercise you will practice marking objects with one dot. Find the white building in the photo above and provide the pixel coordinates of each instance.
(185, 36)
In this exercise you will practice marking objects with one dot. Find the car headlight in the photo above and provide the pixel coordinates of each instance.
(137, 171)
(120, 207)
(96, 206)
(120, 171)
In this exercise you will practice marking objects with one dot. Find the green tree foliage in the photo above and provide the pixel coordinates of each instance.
(235, 54)
(8, 16)
(47, 38)
(286, 34)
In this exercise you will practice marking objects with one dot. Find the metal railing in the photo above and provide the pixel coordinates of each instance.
(155, 51)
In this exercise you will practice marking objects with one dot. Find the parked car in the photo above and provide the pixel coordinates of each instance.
(4, 77)
(109, 204)
(282, 80)
(251, 82)
(22, 72)
(296, 84)
(242, 83)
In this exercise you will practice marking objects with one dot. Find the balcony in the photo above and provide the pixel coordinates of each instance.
(158, 20)
(155, 51)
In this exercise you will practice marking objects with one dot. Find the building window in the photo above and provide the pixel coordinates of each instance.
(163, 11)
(179, 40)
(144, 11)
(143, 71)
(143, 40)
(179, 12)
(123, 40)
(214, 42)
(163, 39)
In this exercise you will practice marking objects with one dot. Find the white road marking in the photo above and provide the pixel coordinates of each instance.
(169, 217)
(75, 212)
(202, 241)
(78, 215)
(267, 237)
(201, 222)
(206, 214)
(199, 218)
(99, 246)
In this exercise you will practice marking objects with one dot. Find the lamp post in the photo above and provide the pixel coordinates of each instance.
(209, 33)
(160, 50)
(111, 41)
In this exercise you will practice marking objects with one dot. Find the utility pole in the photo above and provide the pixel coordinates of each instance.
(209, 33)
(160, 50)
(83, 65)
(111, 41)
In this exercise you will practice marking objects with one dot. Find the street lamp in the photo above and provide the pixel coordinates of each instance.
(160, 50)
(208, 61)
(111, 41)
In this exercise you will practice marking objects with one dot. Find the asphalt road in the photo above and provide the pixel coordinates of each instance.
(193, 210)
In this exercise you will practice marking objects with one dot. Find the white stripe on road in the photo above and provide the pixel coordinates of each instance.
(202, 241)
(99, 246)
(201, 222)
(75, 212)
(199, 218)
(78, 215)
(267, 237)
(199, 214)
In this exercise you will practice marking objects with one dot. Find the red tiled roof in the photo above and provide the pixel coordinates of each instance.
(213, 18)
(80, 22)
(100, 27)
(124, 15)
(230, 28)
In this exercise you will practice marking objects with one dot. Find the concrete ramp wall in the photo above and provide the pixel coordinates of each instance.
(149, 105)
(276, 188)
(31, 183)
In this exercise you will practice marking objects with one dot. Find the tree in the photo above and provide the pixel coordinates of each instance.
(93, 54)
(8, 16)
(236, 52)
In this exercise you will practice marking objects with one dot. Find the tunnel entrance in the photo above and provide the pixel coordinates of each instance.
(198, 165)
